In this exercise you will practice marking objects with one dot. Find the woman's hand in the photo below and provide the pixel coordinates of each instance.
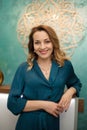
(65, 101)
(66, 98)
(53, 108)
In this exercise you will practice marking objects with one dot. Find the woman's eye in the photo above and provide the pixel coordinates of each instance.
(47, 41)
(36, 42)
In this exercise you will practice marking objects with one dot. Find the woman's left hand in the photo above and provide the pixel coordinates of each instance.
(66, 98)
(65, 101)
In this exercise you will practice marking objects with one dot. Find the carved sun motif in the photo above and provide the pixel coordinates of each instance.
(60, 15)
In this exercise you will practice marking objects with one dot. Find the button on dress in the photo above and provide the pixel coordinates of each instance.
(32, 85)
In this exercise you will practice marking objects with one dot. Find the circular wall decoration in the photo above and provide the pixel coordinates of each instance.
(60, 15)
(1, 77)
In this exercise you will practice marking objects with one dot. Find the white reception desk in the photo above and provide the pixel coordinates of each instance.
(68, 120)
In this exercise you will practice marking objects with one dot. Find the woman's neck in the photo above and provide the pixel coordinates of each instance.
(45, 66)
(44, 62)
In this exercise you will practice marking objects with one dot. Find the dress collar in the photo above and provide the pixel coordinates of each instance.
(53, 73)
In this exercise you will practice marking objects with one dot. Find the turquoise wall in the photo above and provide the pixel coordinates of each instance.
(12, 53)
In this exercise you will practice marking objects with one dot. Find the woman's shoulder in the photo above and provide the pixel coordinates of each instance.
(23, 65)
(68, 66)
(68, 63)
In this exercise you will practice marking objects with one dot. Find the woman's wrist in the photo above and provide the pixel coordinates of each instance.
(71, 91)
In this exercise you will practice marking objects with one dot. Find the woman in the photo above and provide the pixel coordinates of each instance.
(37, 91)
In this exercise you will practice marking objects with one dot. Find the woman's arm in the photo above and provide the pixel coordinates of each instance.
(48, 106)
(73, 87)
(33, 105)
(71, 91)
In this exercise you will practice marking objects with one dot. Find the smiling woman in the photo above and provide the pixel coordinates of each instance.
(37, 94)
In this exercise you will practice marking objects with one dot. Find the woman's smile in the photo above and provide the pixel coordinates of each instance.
(43, 51)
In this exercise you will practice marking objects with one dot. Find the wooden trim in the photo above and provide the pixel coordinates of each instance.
(6, 89)
(81, 105)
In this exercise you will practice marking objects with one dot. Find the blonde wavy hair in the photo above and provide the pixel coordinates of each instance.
(58, 55)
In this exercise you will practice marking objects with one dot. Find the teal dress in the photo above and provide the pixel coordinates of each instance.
(32, 85)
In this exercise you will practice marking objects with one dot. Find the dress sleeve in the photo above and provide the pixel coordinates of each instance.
(73, 80)
(16, 102)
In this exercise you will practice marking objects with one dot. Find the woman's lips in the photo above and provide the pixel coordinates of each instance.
(43, 52)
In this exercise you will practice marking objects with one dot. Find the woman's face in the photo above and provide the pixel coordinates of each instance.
(43, 46)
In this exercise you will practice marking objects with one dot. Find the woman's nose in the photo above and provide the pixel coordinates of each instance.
(42, 46)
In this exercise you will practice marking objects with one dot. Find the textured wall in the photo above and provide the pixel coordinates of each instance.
(80, 63)
(12, 53)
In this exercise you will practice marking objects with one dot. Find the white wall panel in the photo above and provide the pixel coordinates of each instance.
(68, 120)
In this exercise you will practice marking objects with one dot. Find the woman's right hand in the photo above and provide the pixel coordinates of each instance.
(52, 108)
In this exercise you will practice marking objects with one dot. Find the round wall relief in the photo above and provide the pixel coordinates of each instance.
(61, 15)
